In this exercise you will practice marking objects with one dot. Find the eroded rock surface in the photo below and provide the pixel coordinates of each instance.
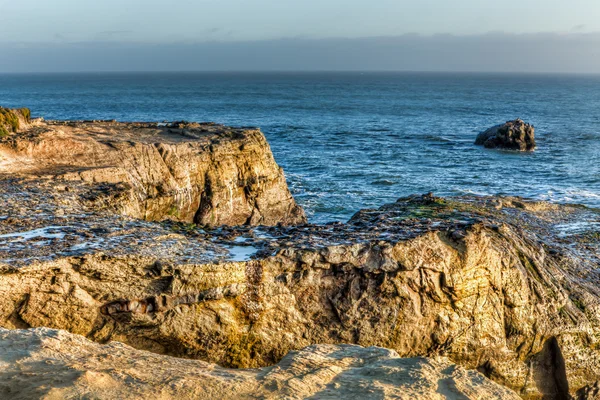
(51, 364)
(203, 173)
(512, 135)
(122, 232)
(502, 285)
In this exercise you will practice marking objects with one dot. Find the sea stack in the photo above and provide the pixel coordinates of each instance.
(512, 135)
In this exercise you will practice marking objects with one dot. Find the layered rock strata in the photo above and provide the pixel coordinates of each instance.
(89, 244)
(501, 285)
(203, 173)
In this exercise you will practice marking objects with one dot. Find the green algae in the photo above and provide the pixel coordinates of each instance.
(10, 120)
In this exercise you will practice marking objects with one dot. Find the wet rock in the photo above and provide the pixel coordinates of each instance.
(512, 135)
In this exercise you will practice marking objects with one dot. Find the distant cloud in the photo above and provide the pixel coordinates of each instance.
(578, 28)
(575, 52)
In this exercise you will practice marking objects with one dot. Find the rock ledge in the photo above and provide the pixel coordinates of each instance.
(51, 364)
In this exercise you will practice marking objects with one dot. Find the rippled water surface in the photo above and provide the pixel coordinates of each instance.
(349, 140)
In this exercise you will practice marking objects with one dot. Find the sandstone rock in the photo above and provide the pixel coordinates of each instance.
(512, 135)
(502, 285)
(203, 173)
(50, 364)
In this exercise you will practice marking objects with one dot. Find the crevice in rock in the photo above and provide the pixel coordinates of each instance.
(164, 303)
(550, 371)
(15, 316)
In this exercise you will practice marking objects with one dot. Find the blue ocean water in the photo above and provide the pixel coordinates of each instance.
(354, 140)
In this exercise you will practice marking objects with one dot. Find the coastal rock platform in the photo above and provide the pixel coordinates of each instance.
(202, 173)
(501, 285)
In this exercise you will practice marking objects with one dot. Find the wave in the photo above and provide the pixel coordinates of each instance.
(436, 138)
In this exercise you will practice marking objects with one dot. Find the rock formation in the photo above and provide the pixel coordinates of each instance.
(501, 285)
(203, 173)
(512, 135)
(51, 364)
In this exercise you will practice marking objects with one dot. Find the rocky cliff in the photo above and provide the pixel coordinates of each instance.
(501, 285)
(203, 173)
(504, 286)
(50, 364)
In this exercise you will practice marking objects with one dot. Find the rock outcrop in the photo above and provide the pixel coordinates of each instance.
(512, 135)
(89, 244)
(12, 121)
(51, 364)
(502, 285)
(202, 173)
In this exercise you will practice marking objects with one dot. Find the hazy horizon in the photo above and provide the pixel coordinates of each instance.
(493, 52)
(313, 35)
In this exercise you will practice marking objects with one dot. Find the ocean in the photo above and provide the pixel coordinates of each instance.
(349, 141)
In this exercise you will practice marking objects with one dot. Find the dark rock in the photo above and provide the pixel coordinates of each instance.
(590, 392)
(512, 135)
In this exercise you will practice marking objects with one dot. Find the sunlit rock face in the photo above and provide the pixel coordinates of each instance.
(46, 363)
(504, 286)
(203, 173)
(501, 285)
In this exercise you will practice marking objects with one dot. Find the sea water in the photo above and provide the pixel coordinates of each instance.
(358, 140)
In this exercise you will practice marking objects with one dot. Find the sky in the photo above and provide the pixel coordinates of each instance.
(391, 34)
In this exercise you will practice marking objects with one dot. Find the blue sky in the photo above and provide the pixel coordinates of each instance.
(235, 20)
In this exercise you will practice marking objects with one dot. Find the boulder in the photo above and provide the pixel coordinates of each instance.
(512, 135)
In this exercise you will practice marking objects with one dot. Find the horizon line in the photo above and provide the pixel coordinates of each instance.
(306, 71)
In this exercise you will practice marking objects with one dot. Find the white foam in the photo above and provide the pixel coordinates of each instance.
(41, 232)
(87, 245)
(574, 228)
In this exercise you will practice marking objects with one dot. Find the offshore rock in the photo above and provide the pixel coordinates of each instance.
(202, 173)
(512, 135)
(503, 285)
(51, 364)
